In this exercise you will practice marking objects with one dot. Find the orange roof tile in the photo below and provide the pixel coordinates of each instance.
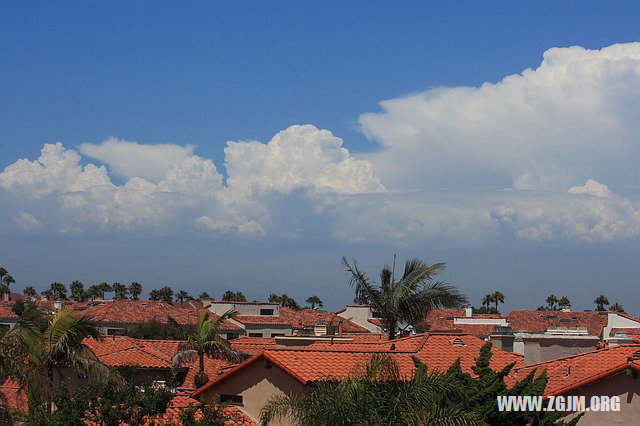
(261, 319)
(120, 351)
(571, 372)
(212, 367)
(541, 321)
(253, 345)
(342, 360)
(5, 311)
(311, 317)
(137, 311)
(14, 395)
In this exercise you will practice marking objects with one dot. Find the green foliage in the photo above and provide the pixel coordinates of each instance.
(211, 415)
(234, 296)
(164, 294)
(59, 290)
(284, 300)
(484, 310)
(407, 300)
(601, 301)
(204, 296)
(616, 307)
(135, 289)
(182, 295)
(314, 301)
(29, 291)
(120, 291)
(78, 292)
(157, 330)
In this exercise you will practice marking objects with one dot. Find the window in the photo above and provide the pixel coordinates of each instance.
(266, 311)
(255, 334)
(277, 334)
(231, 336)
(231, 399)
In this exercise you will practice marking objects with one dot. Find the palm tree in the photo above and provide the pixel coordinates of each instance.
(564, 302)
(135, 289)
(377, 394)
(3, 272)
(497, 297)
(487, 300)
(205, 340)
(104, 287)
(29, 291)
(61, 345)
(59, 290)
(182, 295)
(119, 291)
(601, 301)
(551, 302)
(409, 299)
(616, 307)
(77, 291)
(313, 301)
(204, 296)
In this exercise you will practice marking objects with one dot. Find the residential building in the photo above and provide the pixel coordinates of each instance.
(255, 319)
(364, 316)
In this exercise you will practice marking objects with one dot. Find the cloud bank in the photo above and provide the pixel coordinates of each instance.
(549, 154)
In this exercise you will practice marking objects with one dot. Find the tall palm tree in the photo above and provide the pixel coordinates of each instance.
(29, 291)
(616, 307)
(497, 297)
(205, 340)
(409, 299)
(61, 345)
(487, 300)
(601, 301)
(314, 300)
(3, 272)
(135, 289)
(120, 291)
(551, 301)
(377, 394)
(564, 302)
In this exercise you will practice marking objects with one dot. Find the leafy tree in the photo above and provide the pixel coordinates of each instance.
(209, 415)
(135, 289)
(4, 289)
(77, 291)
(377, 394)
(551, 302)
(487, 300)
(274, 298)
(601, 301)
(616, 307)
(182, 295)
(48, 294)
(157, 330)
(564, 302)
(104, 288)
(313, 301)
(234, 296)
(484, 310)
(8, 280)
(284, 300)
(120, 291)
(204, 296)
(165, 294)
(94, 292)
(206, 341)
(29, 291)
(3, 272)
(59, 290)
(497, 297)
(409, 299)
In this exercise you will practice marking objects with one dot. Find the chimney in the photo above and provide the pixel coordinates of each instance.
(468, 312)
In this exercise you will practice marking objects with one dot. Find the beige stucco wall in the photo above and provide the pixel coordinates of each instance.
(544, 349)
(622, 385)
(257, 384)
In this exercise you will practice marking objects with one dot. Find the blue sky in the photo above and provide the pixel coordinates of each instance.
(204, 74)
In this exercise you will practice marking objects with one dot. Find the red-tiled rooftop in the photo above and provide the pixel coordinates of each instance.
(312, 317)
(541, 321)
(338, 361)
(125, 351)
(253, 345)
(138, 311)
(14, 395)
(261, 319)
(5, 311)
(242, 303)
(569, 373)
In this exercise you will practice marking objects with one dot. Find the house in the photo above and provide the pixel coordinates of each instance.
(364, 316)
(275, 371)
(316, 322)
(538, 335)
(255, 319)
(612, 371)
(114, 317)
(8, 319)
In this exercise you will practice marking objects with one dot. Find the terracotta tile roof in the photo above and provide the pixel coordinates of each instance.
(212, 367)
(5, 311)
(14, 395)
(342, 360)
(261, 319)
(243, 303)
(253, 345)
(311, 317)
(541, 321)
(632, 333)
(569, 373)
(376, 321)
(123, 351)
(137, 311)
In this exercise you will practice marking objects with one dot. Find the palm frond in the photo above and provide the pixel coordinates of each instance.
(184, 357)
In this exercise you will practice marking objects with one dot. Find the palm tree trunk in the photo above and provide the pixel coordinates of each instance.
(392, 330)
(201, 368)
